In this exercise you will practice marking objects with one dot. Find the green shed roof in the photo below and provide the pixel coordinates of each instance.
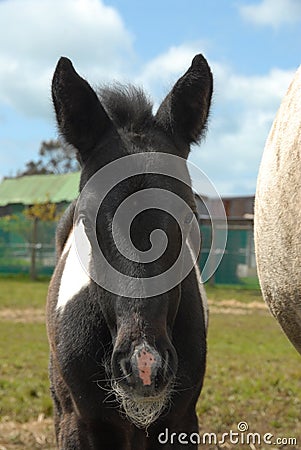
(39, 188)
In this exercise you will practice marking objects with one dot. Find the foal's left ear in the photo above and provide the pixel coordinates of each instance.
(183, 114)
(81, 118)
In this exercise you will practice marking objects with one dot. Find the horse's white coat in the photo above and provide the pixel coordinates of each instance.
(278, 215)
(74, 277)
(200, 286)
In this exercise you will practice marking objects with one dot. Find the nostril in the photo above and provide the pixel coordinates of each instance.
(125, 367)
(166, 361)
(120, 365)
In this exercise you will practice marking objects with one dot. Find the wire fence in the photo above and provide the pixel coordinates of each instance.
(236, 267)
(16, 258)
(238, 264)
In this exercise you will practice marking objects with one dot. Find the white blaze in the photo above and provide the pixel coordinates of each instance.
(200, 285)
(74, 276)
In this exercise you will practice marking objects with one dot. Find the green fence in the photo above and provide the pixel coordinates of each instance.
(16, 245)
(236, 267)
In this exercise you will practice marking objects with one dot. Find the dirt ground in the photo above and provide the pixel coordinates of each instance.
(236, 307)
(36, 434)
(28, 315)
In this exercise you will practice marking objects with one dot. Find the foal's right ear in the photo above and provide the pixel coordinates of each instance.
(81, 118)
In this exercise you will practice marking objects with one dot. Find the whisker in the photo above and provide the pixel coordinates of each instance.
(139, 410)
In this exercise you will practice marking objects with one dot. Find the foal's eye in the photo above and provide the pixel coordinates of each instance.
(188, 217)
(86, 222)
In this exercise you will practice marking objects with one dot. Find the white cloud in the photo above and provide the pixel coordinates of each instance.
(36, 33)
(271, 12)
(243, 110)
(159, 74)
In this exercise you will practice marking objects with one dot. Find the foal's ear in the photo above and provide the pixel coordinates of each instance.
(184, 111)
(81, 118)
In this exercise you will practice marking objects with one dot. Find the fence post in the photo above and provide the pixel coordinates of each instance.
(33, 256)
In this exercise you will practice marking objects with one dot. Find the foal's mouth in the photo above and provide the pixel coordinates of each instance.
(141, 410)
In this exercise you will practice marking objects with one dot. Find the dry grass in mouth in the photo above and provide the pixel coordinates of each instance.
(139, 410)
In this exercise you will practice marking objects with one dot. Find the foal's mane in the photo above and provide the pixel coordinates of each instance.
(127, 106)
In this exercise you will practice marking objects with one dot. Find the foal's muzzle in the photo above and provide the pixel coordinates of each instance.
(144, 371)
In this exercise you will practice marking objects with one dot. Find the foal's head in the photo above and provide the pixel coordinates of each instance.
(136, 206)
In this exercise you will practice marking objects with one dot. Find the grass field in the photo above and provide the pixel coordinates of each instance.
(253, 372)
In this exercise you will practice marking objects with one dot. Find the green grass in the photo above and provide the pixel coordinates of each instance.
(24, 379)
(18, 291)
(253, 372)
(253, 375)
(233, 292)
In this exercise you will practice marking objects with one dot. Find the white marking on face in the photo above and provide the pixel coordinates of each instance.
(68, 243)
(201, 287)
(74, 277)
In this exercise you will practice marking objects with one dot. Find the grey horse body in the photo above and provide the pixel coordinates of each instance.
(278, 215)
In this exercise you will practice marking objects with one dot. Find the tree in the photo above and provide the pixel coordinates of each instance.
(45, 212)
(55, 157)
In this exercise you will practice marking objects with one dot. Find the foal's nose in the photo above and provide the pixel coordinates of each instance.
(144, 370)
(146, 362)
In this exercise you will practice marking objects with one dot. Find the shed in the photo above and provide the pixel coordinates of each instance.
(39, 188)
(15, 235)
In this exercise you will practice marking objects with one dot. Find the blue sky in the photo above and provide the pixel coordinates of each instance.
(252, 46)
